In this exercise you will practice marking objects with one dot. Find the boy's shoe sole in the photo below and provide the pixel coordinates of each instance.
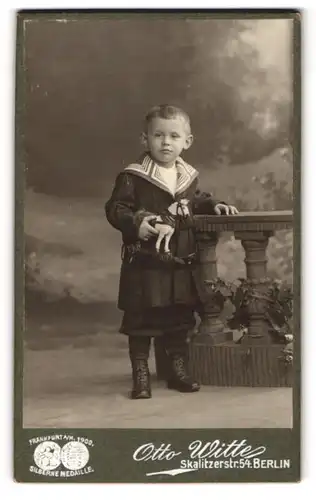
(183, 386)
(141, 395)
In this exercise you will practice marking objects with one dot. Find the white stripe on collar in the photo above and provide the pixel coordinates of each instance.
(149, 170)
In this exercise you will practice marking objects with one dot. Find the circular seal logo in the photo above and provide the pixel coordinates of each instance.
(47, 455)
(74, 455)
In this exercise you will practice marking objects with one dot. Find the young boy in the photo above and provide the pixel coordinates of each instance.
(158, 296)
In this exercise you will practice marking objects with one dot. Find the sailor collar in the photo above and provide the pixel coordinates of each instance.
(148, 169)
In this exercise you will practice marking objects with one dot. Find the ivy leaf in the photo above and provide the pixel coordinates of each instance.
(237, 283)
(224, 290)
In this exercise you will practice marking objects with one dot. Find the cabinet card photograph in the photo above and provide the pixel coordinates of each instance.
(157, 246)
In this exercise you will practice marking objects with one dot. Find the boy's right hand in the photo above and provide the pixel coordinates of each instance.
(146, 231)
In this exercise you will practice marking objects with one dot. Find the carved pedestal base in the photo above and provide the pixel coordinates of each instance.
(237, 365)
(215, 338)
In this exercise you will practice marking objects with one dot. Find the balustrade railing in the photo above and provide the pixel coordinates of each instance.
(253, 229)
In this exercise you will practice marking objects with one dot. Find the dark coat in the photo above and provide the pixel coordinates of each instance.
(143, 284)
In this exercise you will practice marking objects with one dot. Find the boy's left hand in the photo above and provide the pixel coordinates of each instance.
(226, 209)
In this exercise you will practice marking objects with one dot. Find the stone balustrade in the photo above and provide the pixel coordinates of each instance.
(253, 229)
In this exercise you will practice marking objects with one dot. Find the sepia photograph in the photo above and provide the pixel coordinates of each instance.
(158, 167)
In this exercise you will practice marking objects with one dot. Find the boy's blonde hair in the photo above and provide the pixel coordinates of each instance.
(167, 111)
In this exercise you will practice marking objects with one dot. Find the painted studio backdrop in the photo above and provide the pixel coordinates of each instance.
(88, 86)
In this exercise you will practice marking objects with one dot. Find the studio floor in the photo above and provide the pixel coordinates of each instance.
(84, 384)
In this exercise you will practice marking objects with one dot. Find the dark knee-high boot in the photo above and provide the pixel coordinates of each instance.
(139, 352)
(177, 349)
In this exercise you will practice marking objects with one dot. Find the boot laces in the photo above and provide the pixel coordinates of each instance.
(179, 367)
(141, 372)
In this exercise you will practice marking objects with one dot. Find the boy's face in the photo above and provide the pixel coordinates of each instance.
(166, 139)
